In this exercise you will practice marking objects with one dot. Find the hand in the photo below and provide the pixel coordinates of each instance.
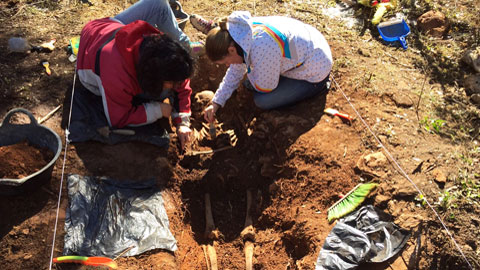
(166, 109)
(209, 112)
(183, 134)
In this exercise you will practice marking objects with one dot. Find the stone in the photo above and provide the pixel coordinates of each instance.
(472, 84)
(475, 99)
(433, 23)
(373, 164)
(382, 200)
(439, 176)
(472, 58)
(404, 189)
(402, 100)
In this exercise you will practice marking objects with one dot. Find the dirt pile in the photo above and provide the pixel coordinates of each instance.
(22, 159)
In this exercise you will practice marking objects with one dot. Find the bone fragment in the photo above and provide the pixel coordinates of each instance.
(212, 254)
(210, 225)
(207, 259)
(249, 255)
(248, 234)
(45, 118)
(210, 233)
(211, 151)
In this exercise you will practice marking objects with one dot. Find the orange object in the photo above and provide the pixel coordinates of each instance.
(47, 67)
(334, 112)
(91, 261)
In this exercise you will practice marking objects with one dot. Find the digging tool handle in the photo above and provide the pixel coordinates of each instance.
(403, 42)
(129, 132)
(212, 130)
(344, 116)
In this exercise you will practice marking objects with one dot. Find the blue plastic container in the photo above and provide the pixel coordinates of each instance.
(393, 31)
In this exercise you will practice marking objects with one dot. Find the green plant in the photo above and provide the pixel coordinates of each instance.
(468, 188)
(420, 199)
(445, 200)
(432, 125)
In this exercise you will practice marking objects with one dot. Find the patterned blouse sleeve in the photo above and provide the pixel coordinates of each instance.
(230, 83)
(266, 63)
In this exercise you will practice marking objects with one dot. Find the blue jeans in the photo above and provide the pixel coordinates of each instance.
(159, 14)
(288, 92)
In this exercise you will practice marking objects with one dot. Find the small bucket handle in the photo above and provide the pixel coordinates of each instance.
(6, 120)
(403, 42)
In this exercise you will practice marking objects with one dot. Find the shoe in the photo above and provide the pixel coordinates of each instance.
(201, 24)
(197, 48)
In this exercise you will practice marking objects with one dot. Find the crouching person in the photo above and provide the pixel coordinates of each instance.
(131, 75)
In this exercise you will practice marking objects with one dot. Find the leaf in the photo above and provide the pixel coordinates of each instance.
(351, 201)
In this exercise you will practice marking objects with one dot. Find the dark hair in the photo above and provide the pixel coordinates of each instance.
(162, 59)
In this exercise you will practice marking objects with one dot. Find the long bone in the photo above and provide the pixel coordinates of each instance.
(248, 234)
(211, 234)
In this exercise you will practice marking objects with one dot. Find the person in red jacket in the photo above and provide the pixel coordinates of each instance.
(135, 68)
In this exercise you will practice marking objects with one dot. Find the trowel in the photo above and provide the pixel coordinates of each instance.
(106, 131)
(212, 130)
(18, 44)
(334, 112)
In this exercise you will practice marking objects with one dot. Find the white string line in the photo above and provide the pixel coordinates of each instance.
(402, 172)
(63, 171)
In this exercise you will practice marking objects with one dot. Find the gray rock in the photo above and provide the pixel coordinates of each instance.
(472, 84)
(472, 58)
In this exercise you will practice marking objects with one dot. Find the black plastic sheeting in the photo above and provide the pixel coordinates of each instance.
(88, 115)
(105, 217)
(363, 236)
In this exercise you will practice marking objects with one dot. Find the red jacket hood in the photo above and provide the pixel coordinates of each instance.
(129, 38)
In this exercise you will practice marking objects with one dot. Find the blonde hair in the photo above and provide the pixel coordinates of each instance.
(218, 41)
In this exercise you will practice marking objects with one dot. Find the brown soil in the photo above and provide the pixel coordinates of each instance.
(22, 159)
(296, 161)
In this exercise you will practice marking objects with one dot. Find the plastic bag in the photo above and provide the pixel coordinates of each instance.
(105, 217)
(363, 236)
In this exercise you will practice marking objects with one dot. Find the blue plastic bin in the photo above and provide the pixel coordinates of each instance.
(393, 31)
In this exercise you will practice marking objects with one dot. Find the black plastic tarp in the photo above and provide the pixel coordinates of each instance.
(104, 217)
(365, 235)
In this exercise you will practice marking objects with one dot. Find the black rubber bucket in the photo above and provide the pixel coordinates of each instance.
(38, 136)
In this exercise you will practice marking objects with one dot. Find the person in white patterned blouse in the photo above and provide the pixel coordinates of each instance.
(285, 60)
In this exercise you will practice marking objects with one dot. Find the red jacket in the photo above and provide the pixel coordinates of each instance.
(115, 77)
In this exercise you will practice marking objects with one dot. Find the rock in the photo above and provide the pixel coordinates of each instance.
(476, 220)
(373, 164)
(439, 176)
(472, 84)
(404, 189)
(375, 160)
(433, 23)
(409, 221)
(382, 200)
(472, 58)
(402, 100)
(475, 98)
(467, 248)
(364, 52)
